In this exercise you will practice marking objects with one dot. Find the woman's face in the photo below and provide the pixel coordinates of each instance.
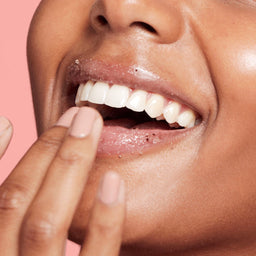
(190, 190)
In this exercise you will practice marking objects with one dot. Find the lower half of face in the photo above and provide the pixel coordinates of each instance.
(175, 84)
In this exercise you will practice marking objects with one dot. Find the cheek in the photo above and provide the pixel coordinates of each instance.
(55, 27)
(228, 40)
(234, 74)
(230, 49)
(227, 182)
(247, 61)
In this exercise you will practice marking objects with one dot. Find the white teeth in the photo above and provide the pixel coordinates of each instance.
(78, 94)
(98, 93)
(117, 96)
(155, 105)
(187, 119)
(86, 91)
(171, 112)
(137, 101)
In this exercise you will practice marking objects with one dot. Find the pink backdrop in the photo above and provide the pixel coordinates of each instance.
(15, 97)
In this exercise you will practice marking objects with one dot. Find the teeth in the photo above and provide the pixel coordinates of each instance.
(117, 96)
(187, 119)
(171, 112)
(137, 101)
(98, 93)
(155, 105)
(86, 91)
(78, 94)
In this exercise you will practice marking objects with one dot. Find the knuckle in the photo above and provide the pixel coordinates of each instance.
(49, 140)
(69, 157)
(39, 230)
(12, 196)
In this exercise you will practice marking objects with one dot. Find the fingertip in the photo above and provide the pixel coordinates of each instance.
(5, 125)
(66, 119)
(96, 112)
(6, 131)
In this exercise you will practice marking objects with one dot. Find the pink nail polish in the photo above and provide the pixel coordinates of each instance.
(66, 119)
(110, 188)
(83, 122)
(4, 124)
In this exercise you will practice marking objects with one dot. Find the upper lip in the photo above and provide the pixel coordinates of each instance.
(135, 77)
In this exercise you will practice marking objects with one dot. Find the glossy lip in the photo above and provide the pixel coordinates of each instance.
(122, 141)
(116, 140)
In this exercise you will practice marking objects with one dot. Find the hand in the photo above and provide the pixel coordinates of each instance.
(39, 198)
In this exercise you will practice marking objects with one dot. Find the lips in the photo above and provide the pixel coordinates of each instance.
(138, 114)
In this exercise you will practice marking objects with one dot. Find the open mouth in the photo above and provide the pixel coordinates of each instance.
(129, 108)
(141, 111)
(134, 120)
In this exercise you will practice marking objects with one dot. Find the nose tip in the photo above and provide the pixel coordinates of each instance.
(148, 16)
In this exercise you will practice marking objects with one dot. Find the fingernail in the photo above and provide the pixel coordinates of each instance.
(4, 124)
(110, 188)
(66, 119)
(83, 123)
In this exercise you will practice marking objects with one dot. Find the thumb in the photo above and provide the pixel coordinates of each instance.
(5, 134)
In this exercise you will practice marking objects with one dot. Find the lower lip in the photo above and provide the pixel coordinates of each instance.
(117, 140)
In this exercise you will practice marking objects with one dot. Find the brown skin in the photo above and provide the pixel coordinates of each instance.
(201, 199)
(40, 196)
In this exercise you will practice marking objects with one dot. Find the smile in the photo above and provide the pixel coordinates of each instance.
(155, 105)
(140, 111)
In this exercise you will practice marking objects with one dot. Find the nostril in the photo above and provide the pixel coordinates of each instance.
(102, 20)
(144, 26)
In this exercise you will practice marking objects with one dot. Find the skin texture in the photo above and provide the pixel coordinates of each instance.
(196, 197)
(35, 208)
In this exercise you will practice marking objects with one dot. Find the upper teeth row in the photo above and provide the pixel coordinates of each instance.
(118, 96)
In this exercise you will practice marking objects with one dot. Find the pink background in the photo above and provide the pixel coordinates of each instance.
(15, 96)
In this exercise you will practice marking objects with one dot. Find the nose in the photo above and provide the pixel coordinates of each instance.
(158, 18)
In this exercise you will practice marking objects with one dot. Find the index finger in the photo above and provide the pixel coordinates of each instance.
(49, 216)
(18, 190)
